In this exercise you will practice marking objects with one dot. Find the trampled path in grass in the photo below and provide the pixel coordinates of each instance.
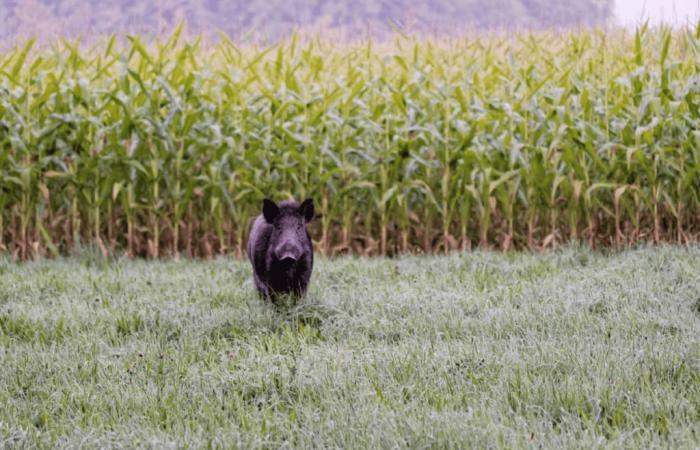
(566, 349)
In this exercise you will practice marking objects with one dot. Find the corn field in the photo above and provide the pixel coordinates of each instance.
(167, 148)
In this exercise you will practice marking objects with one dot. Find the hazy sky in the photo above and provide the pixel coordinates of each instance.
(629, 12)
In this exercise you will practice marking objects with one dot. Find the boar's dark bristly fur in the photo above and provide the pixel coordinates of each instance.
(280, 249)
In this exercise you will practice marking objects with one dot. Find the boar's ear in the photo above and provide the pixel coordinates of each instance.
(307, 209)
(270, 210)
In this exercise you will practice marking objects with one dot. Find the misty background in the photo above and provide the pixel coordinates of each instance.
(20, 19)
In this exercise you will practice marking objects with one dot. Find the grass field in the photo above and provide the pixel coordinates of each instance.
(570, 348)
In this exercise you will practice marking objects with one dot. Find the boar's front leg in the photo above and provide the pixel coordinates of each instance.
(263, 290)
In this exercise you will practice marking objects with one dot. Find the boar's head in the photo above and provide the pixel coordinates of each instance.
(289, 242)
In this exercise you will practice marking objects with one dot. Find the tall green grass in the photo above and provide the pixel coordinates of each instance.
(168, 148)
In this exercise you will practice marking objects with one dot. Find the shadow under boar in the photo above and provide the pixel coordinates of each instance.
(280, 249)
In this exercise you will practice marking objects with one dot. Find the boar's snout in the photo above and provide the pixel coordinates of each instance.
(288, 260)
(288, 253)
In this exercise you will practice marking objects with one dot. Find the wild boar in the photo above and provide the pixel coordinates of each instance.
(280, 249)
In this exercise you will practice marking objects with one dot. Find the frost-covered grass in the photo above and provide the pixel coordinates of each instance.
(567, 349)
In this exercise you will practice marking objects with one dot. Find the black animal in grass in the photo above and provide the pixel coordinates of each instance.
(280, 248)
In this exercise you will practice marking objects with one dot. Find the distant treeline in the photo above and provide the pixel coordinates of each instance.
(275, 18)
